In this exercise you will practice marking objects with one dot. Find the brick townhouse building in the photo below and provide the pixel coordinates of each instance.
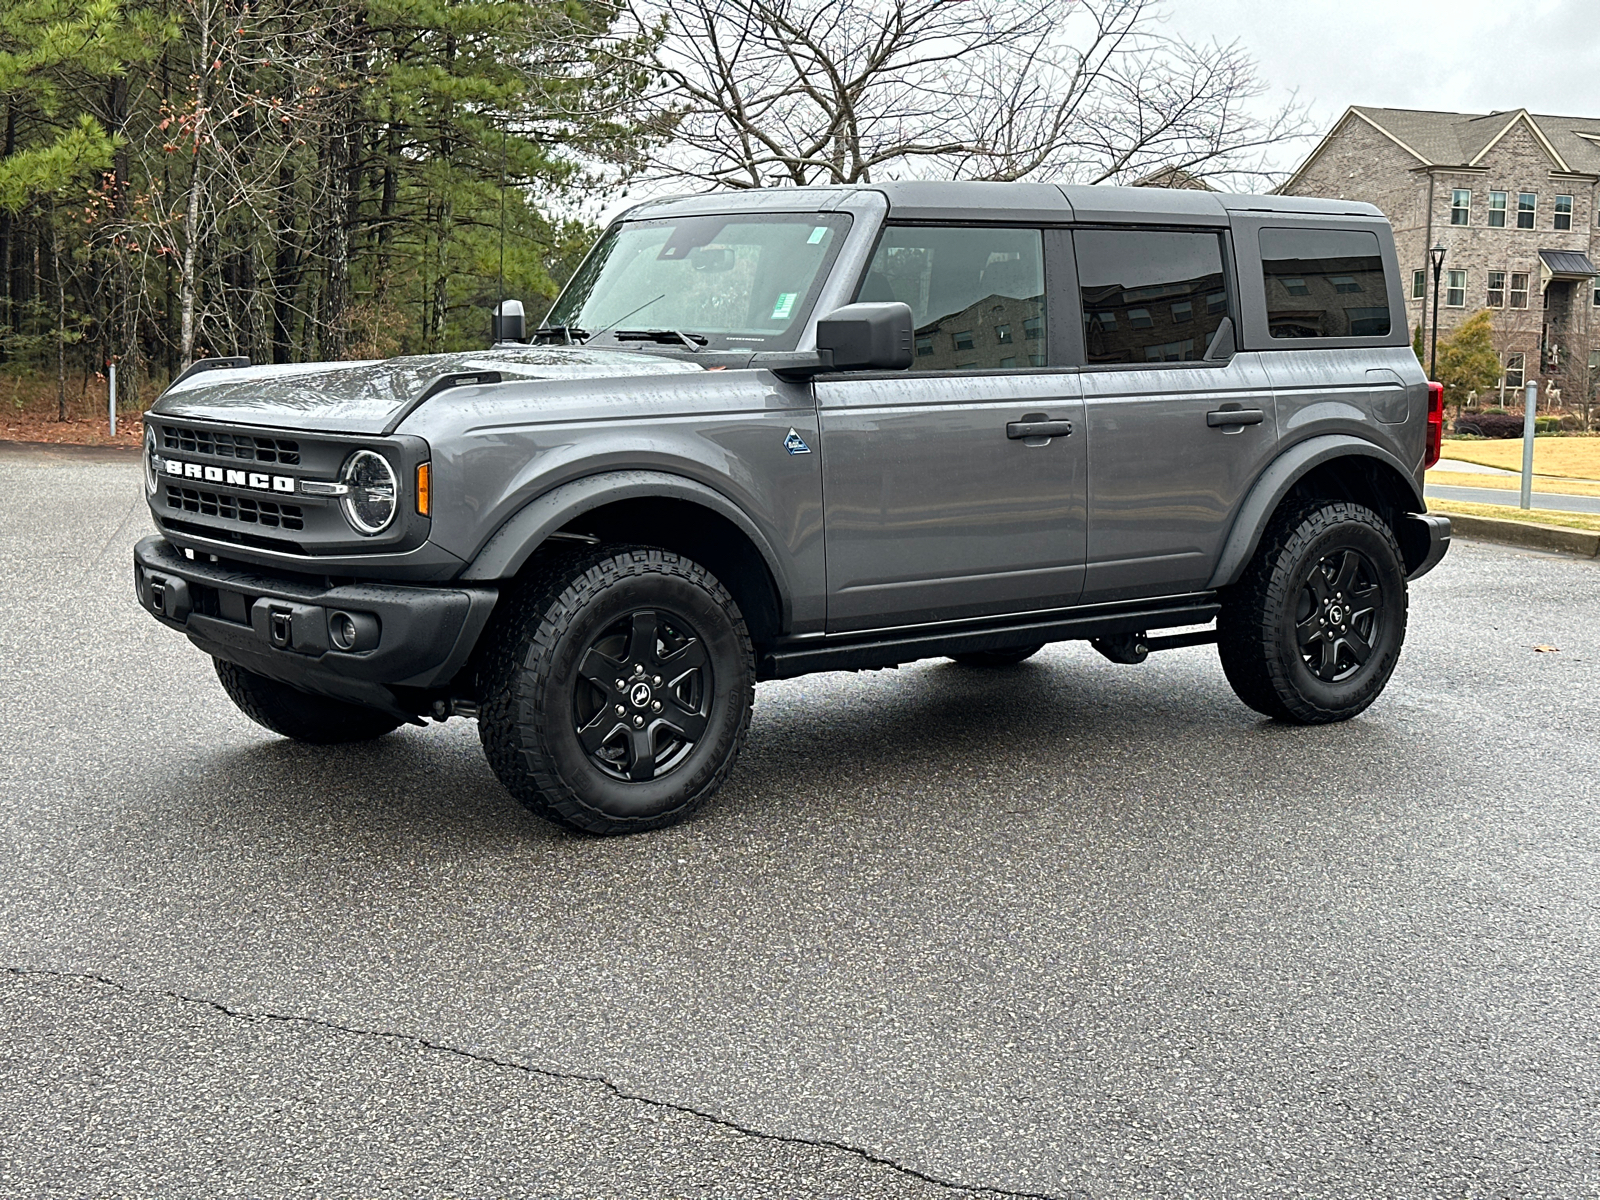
(1512, 196)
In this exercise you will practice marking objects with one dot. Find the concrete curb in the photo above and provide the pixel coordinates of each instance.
(70, 450)
(1529, 534)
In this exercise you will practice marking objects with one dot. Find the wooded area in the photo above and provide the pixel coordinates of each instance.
(283, 180)
(298, 181)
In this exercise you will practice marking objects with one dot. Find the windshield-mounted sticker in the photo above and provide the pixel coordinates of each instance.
(816, 235)
(785, 304)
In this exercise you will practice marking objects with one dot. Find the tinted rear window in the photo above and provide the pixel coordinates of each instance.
(1149, 296)
(1324, 283)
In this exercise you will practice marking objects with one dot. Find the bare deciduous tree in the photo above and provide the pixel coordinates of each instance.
(750, 93)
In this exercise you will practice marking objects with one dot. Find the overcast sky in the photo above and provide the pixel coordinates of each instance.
(1451, 55)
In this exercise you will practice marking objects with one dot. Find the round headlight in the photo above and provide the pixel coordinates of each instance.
(150, 459)
(371, 502)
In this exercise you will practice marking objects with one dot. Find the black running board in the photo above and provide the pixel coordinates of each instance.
(859, 652)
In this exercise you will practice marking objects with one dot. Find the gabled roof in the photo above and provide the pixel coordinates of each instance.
(1448, 139)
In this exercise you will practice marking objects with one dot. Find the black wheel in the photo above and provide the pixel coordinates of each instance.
(617, 688)
(997, 658)
(316, 720)
(1313, 630)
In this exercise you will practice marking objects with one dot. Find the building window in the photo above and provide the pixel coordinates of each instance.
(1344, 283)
(1032, 331)
(1009, 362)
(1527, 206)
(964, 340)
(1563, 212)
(1497, 290)
(1171, 352)
(1497, 210)
(1182, 311)
(1519, 289)
(1036, 360)
(925, 345)
(1514, 370)
(1419, 285)
(1002, 335)
(1139, 318)
(1460, 206)
(1597, 293)
(1216, 302)
(1455, 290)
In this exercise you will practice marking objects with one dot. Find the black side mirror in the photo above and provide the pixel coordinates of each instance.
(866, 337)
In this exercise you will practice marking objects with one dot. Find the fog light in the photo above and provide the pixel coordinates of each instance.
(349, 632)
(342, 630)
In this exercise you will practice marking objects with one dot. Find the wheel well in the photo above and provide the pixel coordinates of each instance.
(1364, 480)
(698, 533)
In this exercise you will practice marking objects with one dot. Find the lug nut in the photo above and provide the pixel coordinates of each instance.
(638, 668)
(621, 683)
(637, 721)
(620, 710)
(655, 706)
(656, 679)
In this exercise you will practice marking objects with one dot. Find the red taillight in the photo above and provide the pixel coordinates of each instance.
(1435, 424)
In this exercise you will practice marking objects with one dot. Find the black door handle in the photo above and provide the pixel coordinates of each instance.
(1038, 427)
(1235, 416)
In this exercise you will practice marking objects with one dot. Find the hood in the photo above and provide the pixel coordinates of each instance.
(366, 397)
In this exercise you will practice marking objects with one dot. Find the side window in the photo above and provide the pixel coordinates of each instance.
(1149, 296)
(1326, 283)
(976, 294)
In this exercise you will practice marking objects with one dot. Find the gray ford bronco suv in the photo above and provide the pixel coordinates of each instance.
(814, 429)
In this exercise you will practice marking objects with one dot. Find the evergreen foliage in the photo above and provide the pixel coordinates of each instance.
(290, 181)
(1467, 359)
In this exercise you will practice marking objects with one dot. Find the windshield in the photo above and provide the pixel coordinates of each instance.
(741, 282)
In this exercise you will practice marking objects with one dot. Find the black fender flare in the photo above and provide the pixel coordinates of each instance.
(510, 546)
(1273, 485)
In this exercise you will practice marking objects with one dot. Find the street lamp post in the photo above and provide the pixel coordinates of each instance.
(1437, 254)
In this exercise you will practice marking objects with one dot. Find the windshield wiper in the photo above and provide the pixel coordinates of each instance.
(667, 337)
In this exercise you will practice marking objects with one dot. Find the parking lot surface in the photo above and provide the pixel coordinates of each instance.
(1067, 929)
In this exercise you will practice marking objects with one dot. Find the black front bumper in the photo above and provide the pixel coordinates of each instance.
(408, 641)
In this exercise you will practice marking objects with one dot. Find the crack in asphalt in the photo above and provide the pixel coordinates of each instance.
(543, 1072)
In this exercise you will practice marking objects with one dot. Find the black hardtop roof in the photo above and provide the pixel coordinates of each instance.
(965, 199)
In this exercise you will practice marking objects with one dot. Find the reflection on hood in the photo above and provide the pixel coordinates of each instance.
(359, 396)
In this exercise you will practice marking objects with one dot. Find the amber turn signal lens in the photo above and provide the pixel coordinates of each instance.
(425, 489)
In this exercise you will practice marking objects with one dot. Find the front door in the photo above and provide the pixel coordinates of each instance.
(956, 489)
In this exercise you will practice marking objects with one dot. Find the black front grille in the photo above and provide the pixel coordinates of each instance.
(236, 508)
(238, 446)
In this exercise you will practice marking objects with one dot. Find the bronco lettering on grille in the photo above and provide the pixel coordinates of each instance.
(259, 480)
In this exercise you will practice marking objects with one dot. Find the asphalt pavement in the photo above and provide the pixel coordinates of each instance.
(1067, 929)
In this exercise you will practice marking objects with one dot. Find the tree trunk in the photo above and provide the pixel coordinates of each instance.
(187, 283)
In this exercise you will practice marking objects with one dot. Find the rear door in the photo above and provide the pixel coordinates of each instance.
(1175, 439)
(956, 489)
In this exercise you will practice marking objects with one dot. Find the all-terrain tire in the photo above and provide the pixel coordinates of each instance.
(315, 720)
(567, 650)
(997, 658)
(1313, 629)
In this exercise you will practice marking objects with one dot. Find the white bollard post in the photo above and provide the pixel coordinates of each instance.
(1530, 402)
(111, 397)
